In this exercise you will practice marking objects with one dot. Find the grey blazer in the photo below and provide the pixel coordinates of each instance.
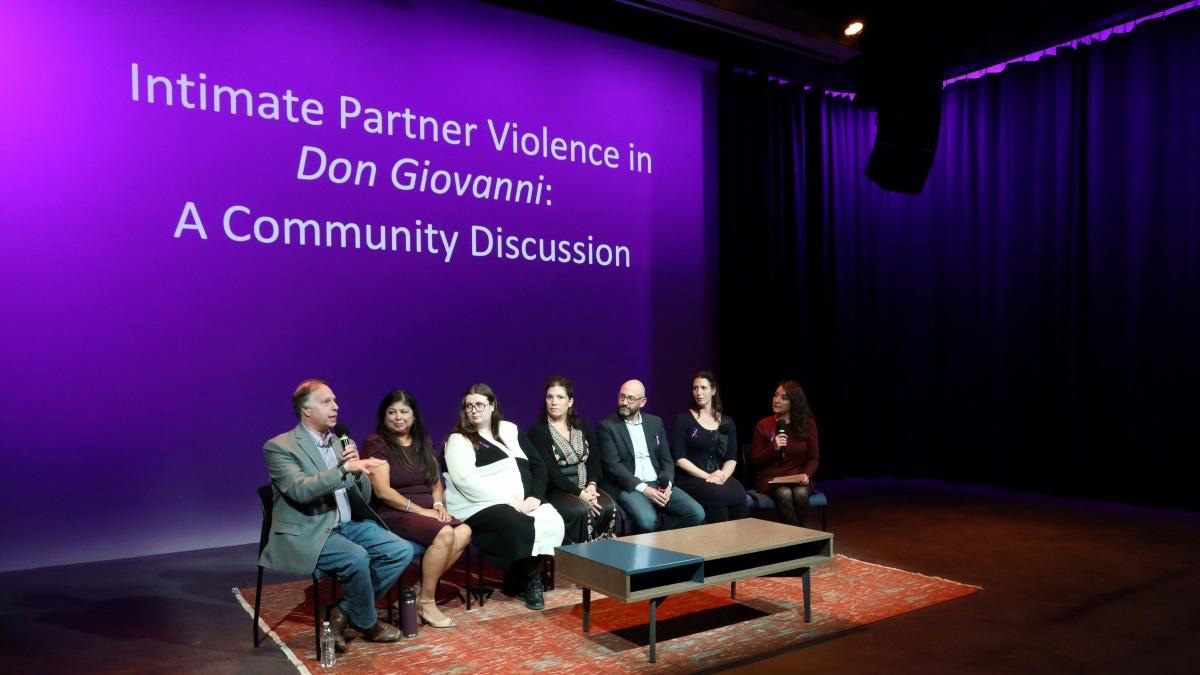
(305, 510)
(616, 451)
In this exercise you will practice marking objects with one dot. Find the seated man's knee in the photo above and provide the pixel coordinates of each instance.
(399, 551)
(643, 515)
(357, 562)
(645, 520)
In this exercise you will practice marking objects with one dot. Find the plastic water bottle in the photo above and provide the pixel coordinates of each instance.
(328, 654)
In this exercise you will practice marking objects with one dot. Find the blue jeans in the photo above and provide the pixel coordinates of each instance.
(681, 510)
(367, 559)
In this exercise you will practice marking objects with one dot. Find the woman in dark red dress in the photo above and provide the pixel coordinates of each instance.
(408, 495)
(785, 444)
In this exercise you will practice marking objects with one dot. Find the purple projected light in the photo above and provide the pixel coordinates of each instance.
(207, 202)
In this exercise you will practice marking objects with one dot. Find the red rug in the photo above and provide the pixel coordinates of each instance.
(697, 630)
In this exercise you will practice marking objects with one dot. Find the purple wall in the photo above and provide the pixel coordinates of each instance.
(146, 370)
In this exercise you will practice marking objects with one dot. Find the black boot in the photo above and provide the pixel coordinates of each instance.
(533, 591)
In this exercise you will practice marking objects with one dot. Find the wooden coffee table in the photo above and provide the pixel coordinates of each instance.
(655, 565)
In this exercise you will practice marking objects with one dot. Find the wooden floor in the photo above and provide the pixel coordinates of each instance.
(1069, 587)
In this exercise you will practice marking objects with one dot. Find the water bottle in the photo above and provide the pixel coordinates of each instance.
(328, 654)
(408, 613)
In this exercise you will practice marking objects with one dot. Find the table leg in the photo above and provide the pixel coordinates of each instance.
(587, 609)
(806, 579)
(653, 606)
(733, 589)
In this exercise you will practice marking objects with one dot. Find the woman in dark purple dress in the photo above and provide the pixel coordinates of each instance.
(408, 495)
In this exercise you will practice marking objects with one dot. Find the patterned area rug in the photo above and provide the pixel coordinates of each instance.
(696, 630)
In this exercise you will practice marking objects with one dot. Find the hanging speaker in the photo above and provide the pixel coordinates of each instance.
(906, 139)
(901, 80)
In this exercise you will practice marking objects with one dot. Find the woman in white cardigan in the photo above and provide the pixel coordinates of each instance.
(487, 486)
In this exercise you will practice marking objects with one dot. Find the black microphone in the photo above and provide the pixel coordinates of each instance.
(342, 432)
(781, 428)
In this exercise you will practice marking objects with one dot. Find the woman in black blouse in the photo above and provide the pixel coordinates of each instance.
(488, 486)
(566, 468)
(705, 450)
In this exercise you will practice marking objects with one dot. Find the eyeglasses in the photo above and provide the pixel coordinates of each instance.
(628, 399)
(473, 407)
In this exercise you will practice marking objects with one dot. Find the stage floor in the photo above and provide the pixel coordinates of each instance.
(1069, 586)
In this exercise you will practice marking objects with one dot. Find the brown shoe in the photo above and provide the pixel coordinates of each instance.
(337, 623)
(382, 631)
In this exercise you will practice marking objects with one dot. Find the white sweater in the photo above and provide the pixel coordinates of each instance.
(470, 488)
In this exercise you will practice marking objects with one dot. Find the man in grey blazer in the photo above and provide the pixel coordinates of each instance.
(322, 516)
(638, 466)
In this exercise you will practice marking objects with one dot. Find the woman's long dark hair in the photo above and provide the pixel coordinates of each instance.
(716, 398)
(799, 412)
(464, 426)
(573, 420)
(422, 444)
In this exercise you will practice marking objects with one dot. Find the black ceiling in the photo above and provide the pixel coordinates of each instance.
(803, 40)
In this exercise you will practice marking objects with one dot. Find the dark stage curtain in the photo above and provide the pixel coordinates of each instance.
(1031, 320)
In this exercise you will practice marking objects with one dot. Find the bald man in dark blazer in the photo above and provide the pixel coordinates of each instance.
(638, 467)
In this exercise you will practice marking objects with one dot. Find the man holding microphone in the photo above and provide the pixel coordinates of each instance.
(322, 516)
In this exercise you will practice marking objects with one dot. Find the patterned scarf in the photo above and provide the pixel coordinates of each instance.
(573, 452)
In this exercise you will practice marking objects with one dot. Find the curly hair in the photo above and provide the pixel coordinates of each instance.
(799, 412)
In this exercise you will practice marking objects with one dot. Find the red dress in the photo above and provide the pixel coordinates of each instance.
(800, 455)
(411, 484)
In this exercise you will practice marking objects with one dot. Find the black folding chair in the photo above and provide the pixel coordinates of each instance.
(266, 499)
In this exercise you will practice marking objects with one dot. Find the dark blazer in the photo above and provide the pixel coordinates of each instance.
(547, 475)
(616, 451)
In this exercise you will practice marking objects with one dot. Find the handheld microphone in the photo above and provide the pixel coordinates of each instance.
(781, 428)
(342, 432)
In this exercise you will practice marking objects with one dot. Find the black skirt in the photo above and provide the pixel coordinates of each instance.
(502, 534)
(729, 493)
(579, 524)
